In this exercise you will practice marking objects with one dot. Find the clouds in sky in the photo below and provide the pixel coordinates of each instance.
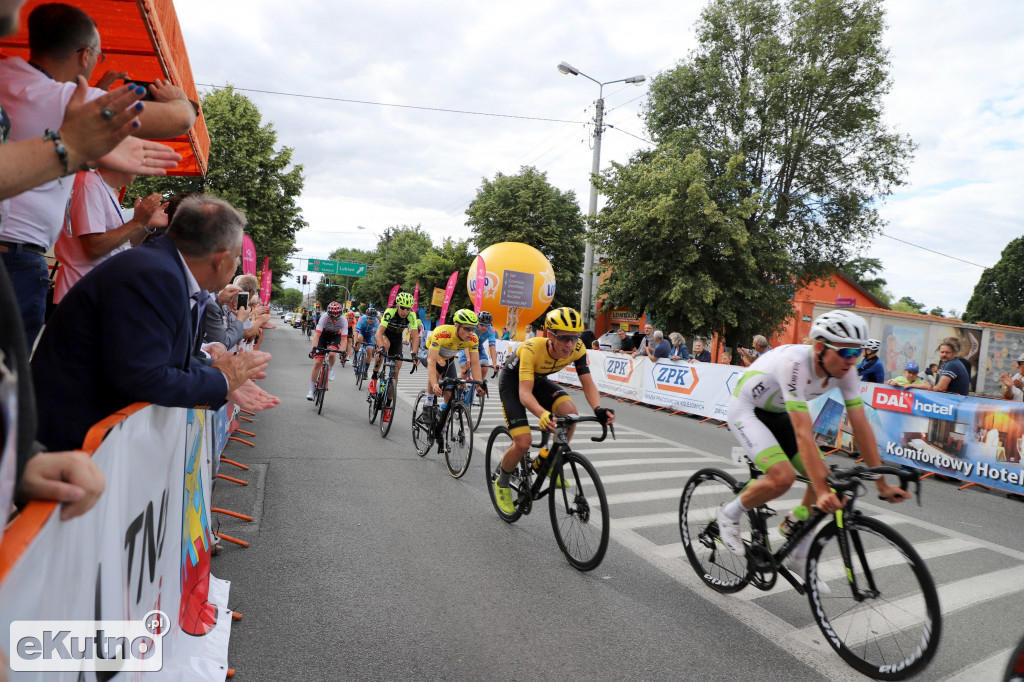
(958, 91)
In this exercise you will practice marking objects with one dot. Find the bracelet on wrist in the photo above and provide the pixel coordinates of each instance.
(58, 146)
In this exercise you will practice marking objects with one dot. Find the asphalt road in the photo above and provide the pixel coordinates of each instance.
(369, 562)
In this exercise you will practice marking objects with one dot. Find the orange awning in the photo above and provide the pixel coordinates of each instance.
(143, 39)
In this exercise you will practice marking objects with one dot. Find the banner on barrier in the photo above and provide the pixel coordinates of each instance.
(126, 558)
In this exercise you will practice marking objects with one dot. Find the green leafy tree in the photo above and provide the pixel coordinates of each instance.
(399, 249)
(526, 208)
(784, 100)
(999, 295)
(247, 170)
(711, 282)
(861, 270)
(908, 305)
(289, 298)
(434, 269)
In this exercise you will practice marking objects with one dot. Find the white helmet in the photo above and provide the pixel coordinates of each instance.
(873, 345)
(840, 326)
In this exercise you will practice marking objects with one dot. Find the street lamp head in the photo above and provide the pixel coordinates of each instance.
(568, 68)
(636, 79)
(360, 227)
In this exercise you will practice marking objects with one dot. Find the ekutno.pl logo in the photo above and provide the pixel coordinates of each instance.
(89, 645)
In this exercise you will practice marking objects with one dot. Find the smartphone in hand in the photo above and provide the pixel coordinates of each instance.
(243, 299)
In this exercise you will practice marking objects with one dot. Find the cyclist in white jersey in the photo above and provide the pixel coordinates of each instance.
(768, 413)
(331, 330)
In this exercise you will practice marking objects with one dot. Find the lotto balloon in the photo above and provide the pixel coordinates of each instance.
(518, 288)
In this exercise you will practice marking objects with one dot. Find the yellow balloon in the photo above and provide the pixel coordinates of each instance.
(519, 286)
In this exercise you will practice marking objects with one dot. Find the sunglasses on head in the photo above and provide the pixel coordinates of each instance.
(566, 338)
(845, 353)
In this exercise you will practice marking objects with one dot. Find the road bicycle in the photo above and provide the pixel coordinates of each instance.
(309, 329)
(883, 619)
(383, 401)
(578, 508)
(456, 426)
(361, 365)
(323, 375)
(473, 402)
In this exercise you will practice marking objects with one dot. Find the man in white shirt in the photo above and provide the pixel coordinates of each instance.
(1013, 387)
(64, 43)
(96, 226)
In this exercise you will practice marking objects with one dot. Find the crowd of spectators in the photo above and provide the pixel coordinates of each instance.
(129, 322)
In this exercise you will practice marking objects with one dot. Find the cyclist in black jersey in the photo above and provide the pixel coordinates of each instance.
(388, 336)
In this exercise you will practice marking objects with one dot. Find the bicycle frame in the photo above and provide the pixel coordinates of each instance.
(849, 490)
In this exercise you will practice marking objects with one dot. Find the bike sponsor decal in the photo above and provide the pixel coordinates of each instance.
(676, 378)
(618, 368)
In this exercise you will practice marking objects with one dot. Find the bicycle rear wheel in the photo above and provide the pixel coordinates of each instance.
(499, 443)
(579, 512)
(421, 431)
(458, 440)
(719, 568)
(892, 630)
(387, 407)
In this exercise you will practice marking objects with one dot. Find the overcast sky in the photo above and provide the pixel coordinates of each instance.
(958, 91)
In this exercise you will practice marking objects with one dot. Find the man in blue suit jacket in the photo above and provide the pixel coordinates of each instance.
(126, 331)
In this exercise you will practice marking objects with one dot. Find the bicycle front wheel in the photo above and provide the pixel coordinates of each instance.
(579, 512)
(373, 405)
(497, 445)
(884, 618)
(719, 568)
(420, 430)
(321, 388)
(387, 408)
(458, 440)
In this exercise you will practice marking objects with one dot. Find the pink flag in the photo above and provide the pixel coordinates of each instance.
(416, 297)
(481, 278)
(248, 256)
(391, 298)
(448, 291)
(265, 283)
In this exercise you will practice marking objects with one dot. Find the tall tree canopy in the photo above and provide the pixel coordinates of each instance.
(783, 100)
(526, 208)
(999, 295)
(246, 170)
(434, 269)
(396, 252)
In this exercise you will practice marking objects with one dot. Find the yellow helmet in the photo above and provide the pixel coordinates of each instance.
(564, 320)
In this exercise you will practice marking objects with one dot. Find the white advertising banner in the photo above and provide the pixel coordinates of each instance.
(699, 388)
(120, 562)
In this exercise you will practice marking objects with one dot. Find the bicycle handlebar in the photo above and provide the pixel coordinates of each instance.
(844, 479)
(450, 382)
(570, 419)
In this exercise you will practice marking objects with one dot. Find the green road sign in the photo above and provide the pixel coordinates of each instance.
(334, 267)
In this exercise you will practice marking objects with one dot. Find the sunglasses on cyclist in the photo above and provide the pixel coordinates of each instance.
(845, 353)
(402, 307)
(566, 338)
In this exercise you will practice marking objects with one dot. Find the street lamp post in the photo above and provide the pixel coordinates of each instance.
(387, 239)
(586, 300)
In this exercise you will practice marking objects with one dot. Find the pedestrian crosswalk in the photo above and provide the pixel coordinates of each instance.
(644, 474)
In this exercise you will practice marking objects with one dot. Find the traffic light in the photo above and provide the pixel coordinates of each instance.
(303, 279)
(298, 280)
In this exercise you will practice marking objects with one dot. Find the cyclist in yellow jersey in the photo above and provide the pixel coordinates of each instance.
(524, 386)
(443, 345)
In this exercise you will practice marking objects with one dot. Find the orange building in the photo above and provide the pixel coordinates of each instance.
(838, 292)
